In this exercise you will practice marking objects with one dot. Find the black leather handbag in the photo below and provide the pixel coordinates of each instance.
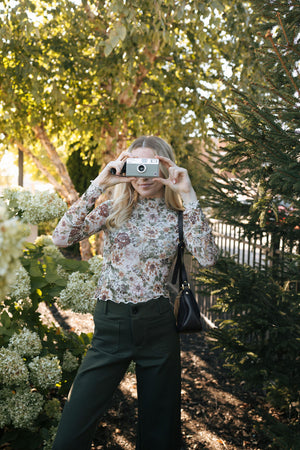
(186, 308)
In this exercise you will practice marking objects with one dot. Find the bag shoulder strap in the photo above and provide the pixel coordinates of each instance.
(179, 268)
(180, 227)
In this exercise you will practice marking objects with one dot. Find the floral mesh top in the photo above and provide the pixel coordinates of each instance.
(137, 257)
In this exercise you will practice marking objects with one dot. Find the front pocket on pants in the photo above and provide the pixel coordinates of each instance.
(107, 335)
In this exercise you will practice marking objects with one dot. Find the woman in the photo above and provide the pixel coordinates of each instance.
(133, 316)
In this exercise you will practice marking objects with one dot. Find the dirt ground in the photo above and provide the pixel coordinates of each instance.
(216, 412)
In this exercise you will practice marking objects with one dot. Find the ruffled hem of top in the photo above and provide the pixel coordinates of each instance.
(130, 301)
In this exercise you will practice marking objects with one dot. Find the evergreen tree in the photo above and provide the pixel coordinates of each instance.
(257, 185)
(257, 176)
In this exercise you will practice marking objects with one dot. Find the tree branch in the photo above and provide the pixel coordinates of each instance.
(270, 37)
(61, 169)
(58, 187)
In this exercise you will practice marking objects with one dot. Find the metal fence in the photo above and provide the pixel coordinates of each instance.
(258, 251)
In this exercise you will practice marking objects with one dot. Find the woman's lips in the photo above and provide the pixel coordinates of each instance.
(145, 185)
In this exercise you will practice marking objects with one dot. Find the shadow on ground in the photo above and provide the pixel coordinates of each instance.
(216, 412)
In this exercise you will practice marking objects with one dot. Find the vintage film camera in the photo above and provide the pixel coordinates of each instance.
(140, 167)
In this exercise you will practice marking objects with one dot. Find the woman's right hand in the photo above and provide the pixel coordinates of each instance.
(107, 179)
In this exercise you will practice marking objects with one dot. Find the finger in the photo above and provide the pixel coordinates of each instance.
(123, 156)
(179, 173)
(174, 174)
(126, 179)
(166, 161)
(165, 181)
(115, 167)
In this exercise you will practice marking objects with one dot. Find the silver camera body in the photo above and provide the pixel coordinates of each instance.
(141, 167)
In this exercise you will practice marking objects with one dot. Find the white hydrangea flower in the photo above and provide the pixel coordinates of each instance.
(12, 237)
(43, 240)
(70, 362)
(26, 343)
(13, 370)
(35, 207)
(61, 272)
(53, 251)
(79, 293)
(12, 195)
(95, 264)
(21, 287)
(24, 407)
(45, 371)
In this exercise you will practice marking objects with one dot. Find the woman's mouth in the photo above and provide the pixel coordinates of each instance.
(146, 185)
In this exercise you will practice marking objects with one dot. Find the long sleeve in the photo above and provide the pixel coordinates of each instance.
(198, 235)
(78, 222)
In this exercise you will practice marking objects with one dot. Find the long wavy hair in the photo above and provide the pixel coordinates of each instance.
(124, 195)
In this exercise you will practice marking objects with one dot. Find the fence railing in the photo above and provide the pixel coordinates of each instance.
(261, 251)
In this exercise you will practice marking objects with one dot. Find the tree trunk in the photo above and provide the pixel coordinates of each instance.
(57, 163)
(99, 243)
(20, 167)
(58, 187)
(85, 249)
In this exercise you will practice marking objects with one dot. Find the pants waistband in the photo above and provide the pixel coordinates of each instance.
(154, 306)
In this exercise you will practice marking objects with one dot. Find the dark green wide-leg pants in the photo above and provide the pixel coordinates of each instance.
(146, 334)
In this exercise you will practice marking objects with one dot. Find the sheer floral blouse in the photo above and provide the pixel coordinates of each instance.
(137, 257)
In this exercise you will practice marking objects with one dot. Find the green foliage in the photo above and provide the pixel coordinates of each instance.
(46, 282)
(48, 271)
(115, 70)
(261, 338)
(256, 186)
(82, 167)
(257, 173)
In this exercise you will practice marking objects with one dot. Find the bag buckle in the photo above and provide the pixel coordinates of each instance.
(185, 285)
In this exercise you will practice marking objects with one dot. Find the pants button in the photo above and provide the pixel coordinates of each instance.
(134, 310)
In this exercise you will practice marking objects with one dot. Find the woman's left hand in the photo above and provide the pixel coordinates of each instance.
(179, 180)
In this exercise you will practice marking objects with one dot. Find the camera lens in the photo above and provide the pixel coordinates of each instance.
(141, 168)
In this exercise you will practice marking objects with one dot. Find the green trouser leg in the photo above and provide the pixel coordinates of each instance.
(158, 406)
(146, 334)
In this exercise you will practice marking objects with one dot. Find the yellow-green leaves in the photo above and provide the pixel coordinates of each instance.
(116, 35)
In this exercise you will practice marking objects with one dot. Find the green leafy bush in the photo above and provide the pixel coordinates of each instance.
(37, 362)
(260, 336)
(261, 339)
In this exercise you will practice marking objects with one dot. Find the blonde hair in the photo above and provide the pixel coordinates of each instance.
(125, 196)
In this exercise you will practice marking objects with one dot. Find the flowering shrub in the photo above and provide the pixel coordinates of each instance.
(45, 371)
(70, 362)
(34, 207)
(78, 295)
(21, 287)
(43, 241)
(26, 343)
(37, 363)
(52, 251)
(12, 237)
(79, 292)
(95, 264)
(23, 407)
(13, 370)
(19, 407)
